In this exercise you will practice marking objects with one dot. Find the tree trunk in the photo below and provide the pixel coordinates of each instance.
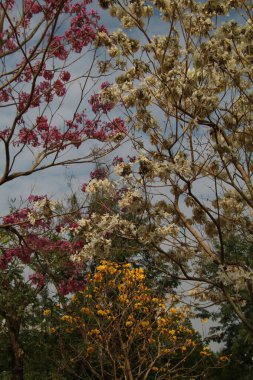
(17, 351)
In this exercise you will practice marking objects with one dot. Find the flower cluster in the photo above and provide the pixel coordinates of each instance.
(117, 313)
(235, 276)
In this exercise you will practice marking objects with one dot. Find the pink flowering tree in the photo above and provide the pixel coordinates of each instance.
(50, 116)
(41, 44)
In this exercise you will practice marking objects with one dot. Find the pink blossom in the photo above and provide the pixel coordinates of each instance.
(117, 160)
(29, 137)
(99, 173)
(4, 96)
(36, 8)
(60, 90)
(37, 279)
(57, 48)
(42, 123)
(48, 74)
(9, 4)
(65, 76)
(4, 134)
(35, 198)
(17, 216)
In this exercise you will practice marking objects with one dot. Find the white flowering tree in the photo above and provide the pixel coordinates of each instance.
(186, 88)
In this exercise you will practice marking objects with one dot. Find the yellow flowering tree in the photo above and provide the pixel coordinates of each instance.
(119, 329)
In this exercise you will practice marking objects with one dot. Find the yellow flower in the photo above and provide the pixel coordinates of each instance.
(103, 313)
(67, 318)
(94, 332)
(46, 312)
(123, 298)
(144, 323)
(161, 322)
(98, 277)
(112, 270)
(85, 310)
(139, 274)
(189, 342)
(224, 358)
(205, 351)
(121, 287)
(51, 330)
(129, 323)
(90, 349)
(101, 268)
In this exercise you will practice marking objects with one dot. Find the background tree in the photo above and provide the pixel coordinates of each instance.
(235, 337)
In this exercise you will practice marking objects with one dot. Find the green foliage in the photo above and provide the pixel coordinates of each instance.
(237, 340)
